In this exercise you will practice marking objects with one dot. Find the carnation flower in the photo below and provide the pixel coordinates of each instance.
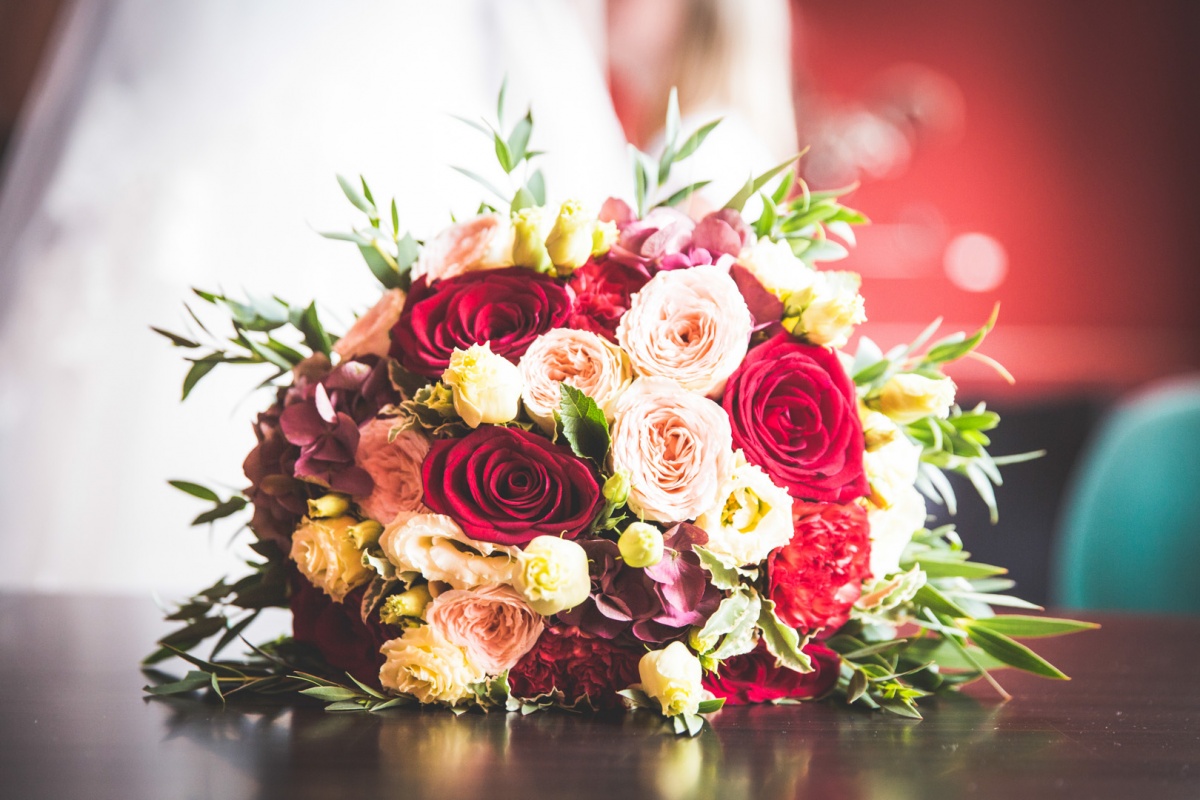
(394, 467)
(425, 666)
(675, 446)
(673, 676)
(486, 387)
(434, 546)
(578, 669)
(892, 529)
(756, 677)
(691, 326)
(325, 553)
(591, 364)
(751, 517)
(370, 335)
(484, 242)
(603, 290)
(493, 624)
(815, 579)
(907, 397)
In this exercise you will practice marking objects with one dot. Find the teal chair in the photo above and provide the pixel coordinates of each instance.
(1130, 533)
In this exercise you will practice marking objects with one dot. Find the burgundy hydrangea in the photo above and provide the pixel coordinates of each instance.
(584, 669)
(328, 440)
(279, 499)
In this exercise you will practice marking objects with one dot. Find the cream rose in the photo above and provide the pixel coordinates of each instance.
(552, 575)
(673, 676)
(394, 466)
(370, 335)
(493, 624)
(483, 242)
(486, 387)
(434, 545)
(891, 460)
(325, 553)
(906, 398)
(893, 528)
(531, 226)
(676, 447)
(423, 664)
(689, 325)
(826, 311)
(590, 363)
(751, 517)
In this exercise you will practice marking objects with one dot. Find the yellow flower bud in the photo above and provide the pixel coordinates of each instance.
(641, 545)
(701, 644)
(604, 236)
(907, 398)
(410, 604)
(486, 387)
(673, 676)
(571, 240)
(365, 534)
(329, 505)
(531, 226)
(616, 488)
(552, 575)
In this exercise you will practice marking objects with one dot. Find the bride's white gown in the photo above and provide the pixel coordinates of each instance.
(178, 143)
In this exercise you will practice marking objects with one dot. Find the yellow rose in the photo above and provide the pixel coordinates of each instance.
(552, 575)
(572, 239)
(531, 226)
(907, 398)
(325, 553)
(486, 387)
(424, 665)
(641, 545)
(672, 676)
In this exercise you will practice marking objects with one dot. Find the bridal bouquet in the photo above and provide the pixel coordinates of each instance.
(602, 456)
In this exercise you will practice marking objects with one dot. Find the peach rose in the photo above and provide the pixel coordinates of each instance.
(493, 624)
(370, 334)
(590, 363)
(676, 447)
(394, 466)
(689, 325)
(434, 546)
(484, 242)
(326, 554)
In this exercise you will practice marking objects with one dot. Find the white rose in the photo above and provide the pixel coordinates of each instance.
(434, 545)
(776, 267)
(590, 363)
(826, 311)
(486, 387)
(891, 459)
(552, 575)
(893, 528)
(752, 517)
(673, 676)
(325, 553)
(426, 666)
(906, 398)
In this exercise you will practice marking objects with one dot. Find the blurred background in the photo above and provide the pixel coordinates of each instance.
(1039, 155)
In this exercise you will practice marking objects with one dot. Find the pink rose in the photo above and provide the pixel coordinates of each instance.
(484, 242)
(370, 335)
(676, 447)
(394, 466)
(493, 624)
(691, 326)
(591, 364)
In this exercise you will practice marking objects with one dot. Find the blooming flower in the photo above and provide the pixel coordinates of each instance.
(328, 441)
(755, 677)
(486, 387)
(370, 335)
(892, 528)
(603, 289)
(891, 460)
(578, 669)
(907, 397)
(394, 467)
(826, 310)
(325, 553)
(424, 665)
(572, 238)
(552, 574)
(493, 624)
(666, 238)
(346, 641)
(483, 242)
(591, 364)
(776, 267)
(673, 677)
(751, 517)
(434, 546)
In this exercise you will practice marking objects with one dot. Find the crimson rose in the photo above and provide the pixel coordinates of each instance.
(583, 669)
(794, 413)
(507, 307)
(507, 486)
(818, 576)
(755, 678)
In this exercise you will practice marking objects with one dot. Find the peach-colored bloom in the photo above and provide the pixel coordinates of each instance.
(483, 242)
(434, 546)
(590, 363)
(369, 335)
(676, 446)
(689, 325)
(394, 466)
(325, 553)
(493, 624)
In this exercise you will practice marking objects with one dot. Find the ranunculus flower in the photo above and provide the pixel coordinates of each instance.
(552, 574)
(370, 335)
(676, 447)
(691, 326)
(425, 666)
(433, 545)
(483, 242)
(827, 309)
(337, 630)
(673, 677)
(507, 308)
(603, 290)
(906, 398)
(816, 578)
(328, 441)
(892, 529)
(750, 518)
(591, 364)
(394, 467)
(486, 387)
(325, 553)
(795, 414)
(507, 486)
(755, 677)
(493, 624)
(580, 669)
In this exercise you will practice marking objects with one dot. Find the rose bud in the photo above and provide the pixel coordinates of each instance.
(405, 604)
(570, 241)
(487, 387)
(616, 488)
(365, 534)
(641, 545)
(329, 505)
(907, 398)
(673, 676)
(552, 575)
(531, 226)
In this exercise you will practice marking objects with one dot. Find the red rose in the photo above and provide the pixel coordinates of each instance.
(507, 307)
(755, 678)
(794, 413)
(584, 670)
(337, 630)
(602, 291)
(507, 486)
(818, 576)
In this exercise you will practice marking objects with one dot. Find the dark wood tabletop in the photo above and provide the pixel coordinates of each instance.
(75, 724)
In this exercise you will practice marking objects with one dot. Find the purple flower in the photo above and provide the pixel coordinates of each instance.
(327, 439)
(668, 239)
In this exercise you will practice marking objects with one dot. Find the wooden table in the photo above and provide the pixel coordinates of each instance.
(74, 724)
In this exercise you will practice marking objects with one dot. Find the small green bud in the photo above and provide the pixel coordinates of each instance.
(701, 644)
(365, 534)
(641, 545)
(616, 488)
(329, 505)
(397, 608)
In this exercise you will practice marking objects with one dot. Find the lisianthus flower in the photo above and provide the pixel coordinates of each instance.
(673, 676)
(750, 518)
(434, 546)
(907, 397)
(590, 363)
(424, 665)
(892, 529)
(326, 554)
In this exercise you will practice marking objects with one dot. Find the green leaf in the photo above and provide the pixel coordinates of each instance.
(711, 706)
(693, 142)
(740, 637)
(537, 186)
(407, 251)
(935, 567)
(176, 339)
(583, 424)
(330, 694)
(782, 640)
(672, 126)
(641, 181)
(937, 602)
(199, 370)
(723, 576)
(683, 194)
(345, 705)
(484, 182)
(738, 201)
(191, 682)
(518, 140)
(729, 614)
(196, 490)
(380, 267)
(355, 197)
(1020, 625)
(223, 509)
(1012, 652)
(857, 685)
(500, 100)
(503, 154)
(522, 199)
(945, 653)
(314, 333)
(953, 350)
